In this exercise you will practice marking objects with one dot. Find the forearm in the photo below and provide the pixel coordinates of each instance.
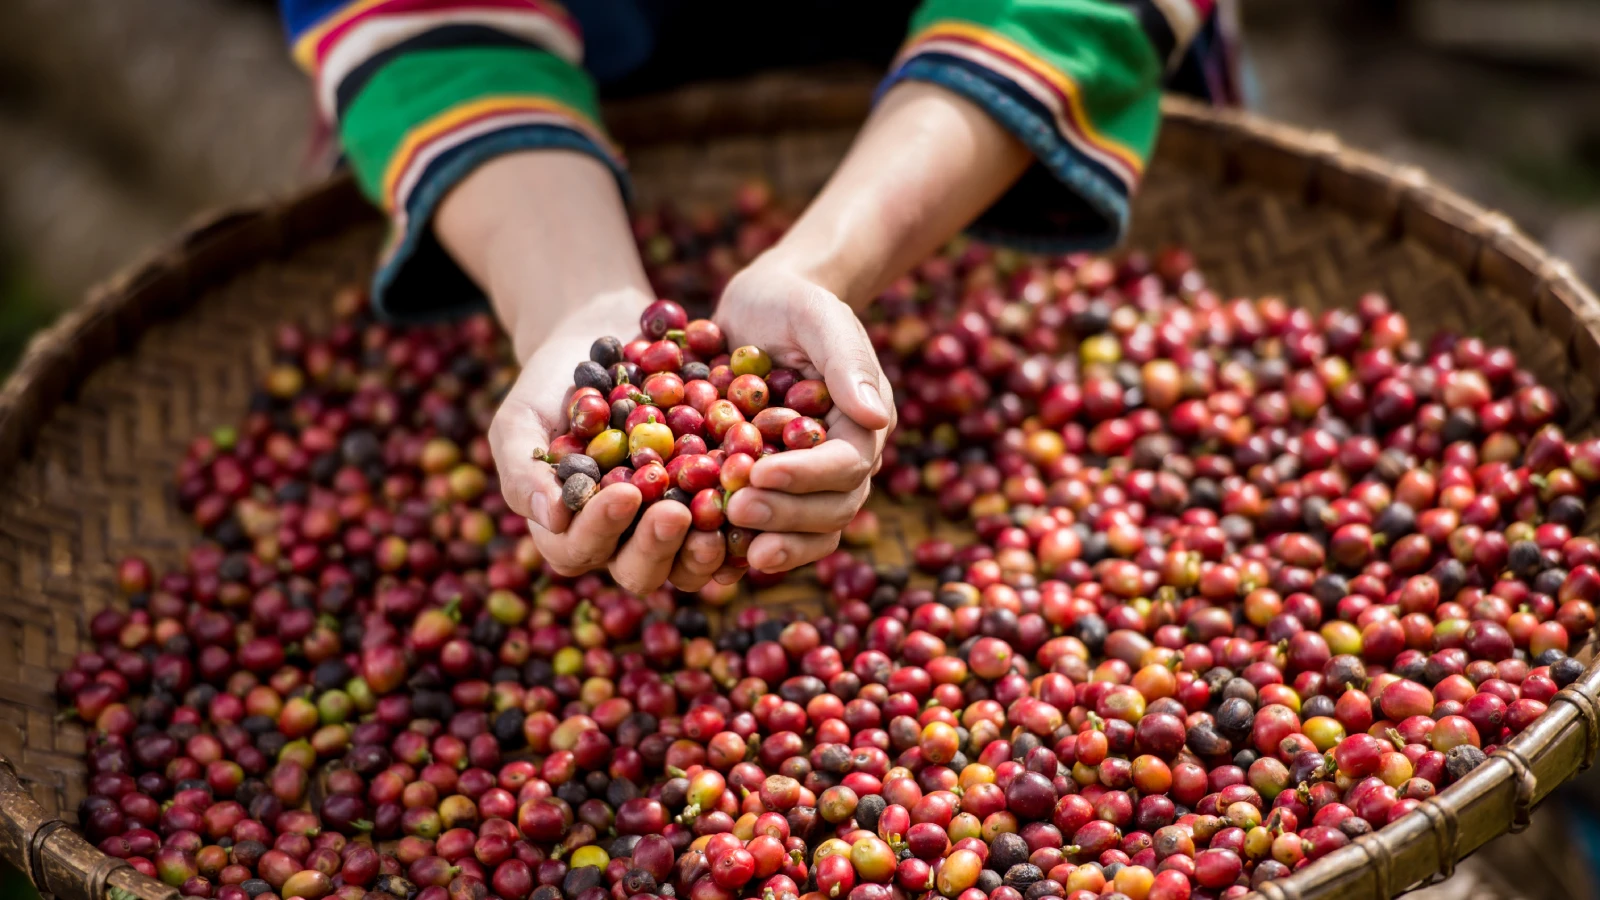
(924, 166)
(545, 233)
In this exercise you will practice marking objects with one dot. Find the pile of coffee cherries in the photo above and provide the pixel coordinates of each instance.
(1240, 583)
(676, 415)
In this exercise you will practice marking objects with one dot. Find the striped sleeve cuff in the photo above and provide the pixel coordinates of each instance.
(1077, 81)
(423, 92)
(417, 280)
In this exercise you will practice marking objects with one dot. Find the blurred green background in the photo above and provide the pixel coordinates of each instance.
(13, 884)
(122, 119)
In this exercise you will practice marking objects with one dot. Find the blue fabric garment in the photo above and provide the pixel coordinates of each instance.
(619, 36)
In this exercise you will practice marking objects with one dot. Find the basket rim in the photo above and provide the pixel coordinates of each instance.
(1234, 147)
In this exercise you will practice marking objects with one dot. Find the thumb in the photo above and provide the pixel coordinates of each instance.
(519, 439)
(840, 349)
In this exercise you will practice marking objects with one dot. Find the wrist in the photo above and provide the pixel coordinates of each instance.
(545, 235)
(926, 164)
(815, 255)
(615, 313)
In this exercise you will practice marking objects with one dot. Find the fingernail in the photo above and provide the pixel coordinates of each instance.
(871, 399)
(777, 559)
(666, 531)
(705, 555)
(541, 510)
(756, 513)
(776, 479)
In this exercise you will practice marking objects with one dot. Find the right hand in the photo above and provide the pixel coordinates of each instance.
(801, 501)
(662, 548)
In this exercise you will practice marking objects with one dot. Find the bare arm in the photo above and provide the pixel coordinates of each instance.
(925, 165)
(546, 235)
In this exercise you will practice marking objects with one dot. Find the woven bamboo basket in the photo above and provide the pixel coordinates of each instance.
(96, 416)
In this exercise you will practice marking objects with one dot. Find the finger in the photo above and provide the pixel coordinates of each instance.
(842, 351)
(542, 491)
(592, 537)
(780, 511)
(642, 564)
(841, 463)
(702, 556)
(780, 551)
(518, 438)
(729, 574)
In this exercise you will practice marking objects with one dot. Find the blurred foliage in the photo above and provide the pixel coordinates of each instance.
(14, 885)
(24, 309)
(1575, 180)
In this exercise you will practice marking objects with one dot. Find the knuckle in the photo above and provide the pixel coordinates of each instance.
(570, 558)
(590, 558)
(817, 308)
(818, 549)
(858, 497)
(860, 359)
(838, 518)
(861, 468)
(690, 581)
(566, 568)
(820, 298)
(628, 581)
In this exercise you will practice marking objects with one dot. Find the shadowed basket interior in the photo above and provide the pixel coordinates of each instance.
(102, 408)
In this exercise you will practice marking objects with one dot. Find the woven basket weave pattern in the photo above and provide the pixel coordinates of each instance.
(1257, 204)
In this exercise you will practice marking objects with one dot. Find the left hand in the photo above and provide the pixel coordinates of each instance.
(800, 501)
(662, 545)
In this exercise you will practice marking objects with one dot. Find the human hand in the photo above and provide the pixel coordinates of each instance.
(661, 548)
(545, 234)
(927, 163)
(801, 501)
